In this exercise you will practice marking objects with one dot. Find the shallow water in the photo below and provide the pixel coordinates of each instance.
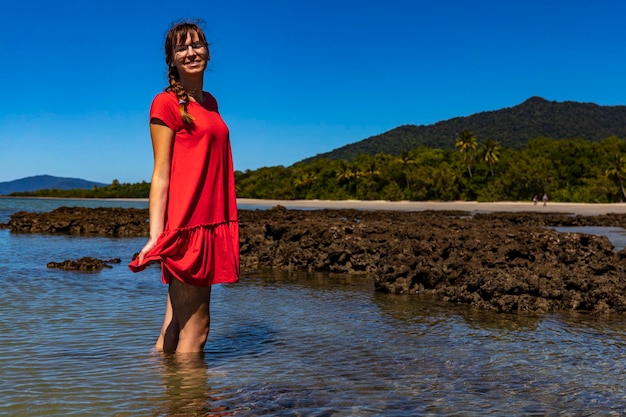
(616, 235)
(80, 344)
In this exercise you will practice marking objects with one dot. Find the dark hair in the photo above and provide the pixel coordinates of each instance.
(179, 33)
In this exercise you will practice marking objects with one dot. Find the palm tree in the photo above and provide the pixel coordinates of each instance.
(406, 158)
(356, 174)
(491, 153)
(304, 179)
(617, 171)
(466, 144)
(344, 173)
(371, 168)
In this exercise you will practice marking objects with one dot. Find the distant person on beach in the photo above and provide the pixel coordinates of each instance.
(194, 230)
(545, 199)
(535, 200)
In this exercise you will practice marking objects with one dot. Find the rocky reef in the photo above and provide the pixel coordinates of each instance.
(507, 262)
(99, 221)
(84, 264)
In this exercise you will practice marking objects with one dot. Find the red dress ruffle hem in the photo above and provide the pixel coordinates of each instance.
(200, 242)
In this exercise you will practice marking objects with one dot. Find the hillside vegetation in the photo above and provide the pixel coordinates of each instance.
(113, 190)
(575, 170)
(39, 182)
(511, 127)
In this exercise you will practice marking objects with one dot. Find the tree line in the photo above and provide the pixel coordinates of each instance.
(572, 170)
(113, 190)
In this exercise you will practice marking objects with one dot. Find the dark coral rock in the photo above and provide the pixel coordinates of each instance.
(85, 264)
(508, 262)
(83, 221)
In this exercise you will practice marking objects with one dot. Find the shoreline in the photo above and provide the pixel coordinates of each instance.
(584, 209)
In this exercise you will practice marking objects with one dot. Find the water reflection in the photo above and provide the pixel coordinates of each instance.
(413, 309)
(187, 391)
(311, 280)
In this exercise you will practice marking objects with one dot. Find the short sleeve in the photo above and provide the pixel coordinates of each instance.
(165, 107)
(211, 103)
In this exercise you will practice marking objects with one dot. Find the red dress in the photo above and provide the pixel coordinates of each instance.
(200, 242)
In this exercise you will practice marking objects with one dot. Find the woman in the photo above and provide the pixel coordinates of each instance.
(194, 231)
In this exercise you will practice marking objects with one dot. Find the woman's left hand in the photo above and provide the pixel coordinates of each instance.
(147, 247)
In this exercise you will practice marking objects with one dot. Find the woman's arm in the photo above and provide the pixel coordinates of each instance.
(162, 141)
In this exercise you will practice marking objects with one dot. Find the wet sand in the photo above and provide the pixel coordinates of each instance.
(470, 206)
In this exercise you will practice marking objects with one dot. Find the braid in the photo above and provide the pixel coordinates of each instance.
(181, 94)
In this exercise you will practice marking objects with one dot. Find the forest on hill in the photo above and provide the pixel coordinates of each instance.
(39, 182)
(114, 190)
(575, 170)
(511, 127)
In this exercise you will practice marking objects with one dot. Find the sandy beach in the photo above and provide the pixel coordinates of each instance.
(470, 206)
(582, 209)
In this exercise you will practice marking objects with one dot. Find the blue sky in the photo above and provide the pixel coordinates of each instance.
(293, 78)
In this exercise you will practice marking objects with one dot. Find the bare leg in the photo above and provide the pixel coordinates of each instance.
(191, 317)
(168, 337)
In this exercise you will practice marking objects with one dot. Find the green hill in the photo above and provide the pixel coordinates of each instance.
(40, 182)
(511, 127)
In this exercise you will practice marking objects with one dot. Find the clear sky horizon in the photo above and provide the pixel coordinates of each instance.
(293, 78)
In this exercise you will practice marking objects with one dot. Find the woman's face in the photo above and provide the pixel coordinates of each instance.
(191, 56)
